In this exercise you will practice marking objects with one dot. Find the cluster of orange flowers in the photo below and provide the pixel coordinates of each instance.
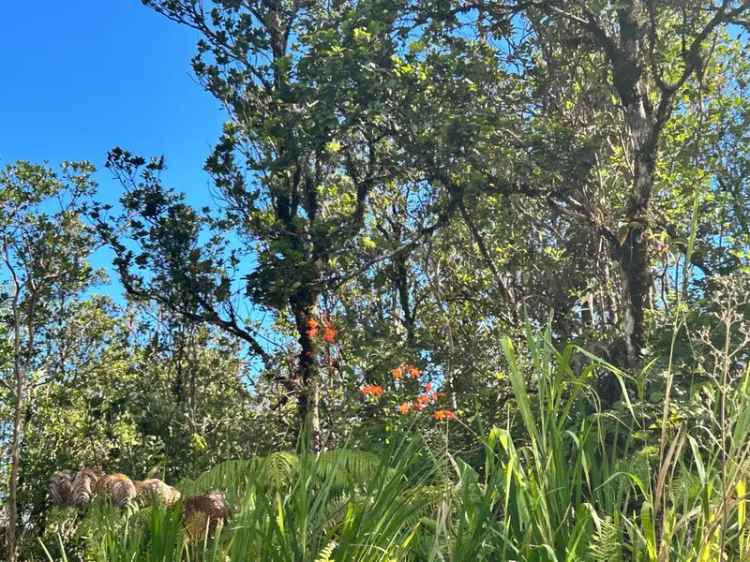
(441, 415)
(312, 328)
(374, 390)
(429, 396)
(420, 404)
(423, 400)
(405, 369)
(329, 332)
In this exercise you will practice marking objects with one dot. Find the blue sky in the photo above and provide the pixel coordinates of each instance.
(82, 76)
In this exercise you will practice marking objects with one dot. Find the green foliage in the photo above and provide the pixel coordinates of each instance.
(424, 183)
(44, 249)
(130, 404)
(553, 487)
(343, 504)
(606, 542)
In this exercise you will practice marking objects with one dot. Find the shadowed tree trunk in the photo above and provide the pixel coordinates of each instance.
(15, 444)
(308, 376)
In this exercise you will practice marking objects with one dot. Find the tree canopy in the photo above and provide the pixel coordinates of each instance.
(406, 194)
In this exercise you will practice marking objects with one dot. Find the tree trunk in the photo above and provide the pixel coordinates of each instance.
(642, 129)
(15, 447)
(633, 259)
(15, 459)
(632, 250)
(304, 310)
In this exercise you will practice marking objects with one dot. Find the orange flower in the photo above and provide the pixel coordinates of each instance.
(404, 408)
(312, 328)
(428, 387)
(398, 373)
(329, 332)
(329, 335)
(372, 390)
(421, 402)
(414, 372)
(440, 415)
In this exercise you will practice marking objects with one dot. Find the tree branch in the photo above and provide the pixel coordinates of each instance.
(210, 316)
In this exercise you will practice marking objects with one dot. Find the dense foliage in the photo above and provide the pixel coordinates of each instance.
(475, 285)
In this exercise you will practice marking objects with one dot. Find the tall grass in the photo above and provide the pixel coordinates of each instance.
(562, 481)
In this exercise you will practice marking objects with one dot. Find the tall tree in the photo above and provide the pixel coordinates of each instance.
(44, 245)
(295, 169)
(635, 40)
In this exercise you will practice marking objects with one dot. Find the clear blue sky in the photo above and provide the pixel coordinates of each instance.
(78, 77)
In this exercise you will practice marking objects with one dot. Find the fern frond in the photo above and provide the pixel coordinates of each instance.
(605, 543)
(232, 476)
(345, 466)
(279, 469)
(325, 554)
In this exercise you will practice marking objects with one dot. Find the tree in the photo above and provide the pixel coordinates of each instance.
(358, 131)
(633, 42)
(297, 167)
(43, 250)
(133, 390)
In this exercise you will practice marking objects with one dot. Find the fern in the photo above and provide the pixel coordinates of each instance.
(279, 469)
(232, 477)
(342, 467)
(339, 468)
(325, 554)
(335, 510)
(605, 542)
